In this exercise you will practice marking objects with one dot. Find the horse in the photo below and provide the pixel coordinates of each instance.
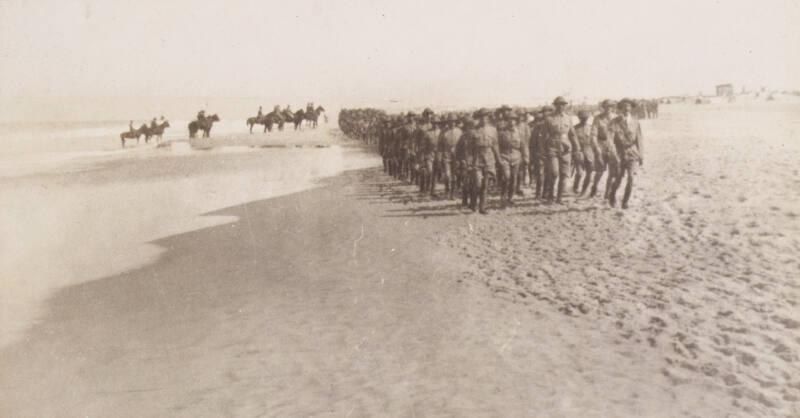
(267, 120)
(256, 120)
(204, 126)
(298, 119)
(158, 131)
(136, 133)
(313, 116)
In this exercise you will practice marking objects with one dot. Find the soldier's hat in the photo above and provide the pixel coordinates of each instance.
(427, 111)
(410, 115)
(625, 100)
(504, 108)
(607, 103)
(480, 113)
(559, 100)
(583, 114)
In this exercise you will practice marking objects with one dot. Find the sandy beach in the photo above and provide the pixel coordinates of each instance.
(359, 297)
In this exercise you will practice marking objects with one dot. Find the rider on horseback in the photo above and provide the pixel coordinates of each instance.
(201, 116)
(153, 124)
(260, 113)
(130, 127)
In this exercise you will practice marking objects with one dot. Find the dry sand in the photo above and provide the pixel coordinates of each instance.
(361, 298)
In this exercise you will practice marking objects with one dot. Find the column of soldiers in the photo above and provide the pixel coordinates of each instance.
(507, 148)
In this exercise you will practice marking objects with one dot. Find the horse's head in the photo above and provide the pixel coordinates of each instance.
(214, 117)
(165, 124)
(320, 109)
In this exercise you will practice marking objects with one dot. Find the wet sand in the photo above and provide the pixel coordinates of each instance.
(362, 298)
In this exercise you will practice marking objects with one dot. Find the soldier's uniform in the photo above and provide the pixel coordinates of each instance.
(523, 130)
(448, 141)
(512, 153)
(408, 150)
(584, 155)
(608, 159)
(630, 147)
(481, 160)
(427, 143)
(557, 149)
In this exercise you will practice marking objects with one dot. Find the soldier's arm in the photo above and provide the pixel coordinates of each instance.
(640, 143)
(525, 145)
(573, 143)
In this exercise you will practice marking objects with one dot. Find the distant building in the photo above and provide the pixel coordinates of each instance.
(724, 90)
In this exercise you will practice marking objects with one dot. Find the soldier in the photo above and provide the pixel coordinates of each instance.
(511, 154)
(558, 146)
(201, 116)
(426, 138)
(407, 148)
(536, 153)
(524, 132)
(607, 159)
(630, 146)
(481, 155)
(130, 127)
(584, 156)
(260, 114)
(448, 142)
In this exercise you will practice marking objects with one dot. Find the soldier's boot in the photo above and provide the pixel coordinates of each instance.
(473, 199)
(465, 197)
(628, 190)
(561, 185)
(612, 194)
(586, 181)
(512, 188)
(610, 180)
(432, 185)
(503, 193)
(482, 201)
(576, 182)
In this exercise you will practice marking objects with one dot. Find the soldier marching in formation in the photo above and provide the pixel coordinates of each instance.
(495, 149)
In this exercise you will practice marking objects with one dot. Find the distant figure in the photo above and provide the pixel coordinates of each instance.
(153, 124)
(130, 127)
(201, 116)
(260, 113)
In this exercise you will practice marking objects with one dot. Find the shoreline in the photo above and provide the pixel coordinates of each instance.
(324, 302)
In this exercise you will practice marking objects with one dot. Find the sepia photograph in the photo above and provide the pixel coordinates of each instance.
(407, 208)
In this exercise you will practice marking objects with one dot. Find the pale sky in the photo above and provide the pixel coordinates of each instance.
(418, 52)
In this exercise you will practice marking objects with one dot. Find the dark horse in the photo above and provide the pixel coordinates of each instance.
(204, 126)
(298, 119)
(158, 131)
(135, 134)
(267, 120)
(313, 116)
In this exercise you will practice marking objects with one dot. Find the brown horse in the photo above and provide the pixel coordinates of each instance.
(298, 119)
(204, 126)
(267, 120)
(313, 116)
(158, 131)
(135, 134)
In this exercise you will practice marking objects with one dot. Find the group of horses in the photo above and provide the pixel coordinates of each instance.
(146, 131)
(276, 117)
(280, 117)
